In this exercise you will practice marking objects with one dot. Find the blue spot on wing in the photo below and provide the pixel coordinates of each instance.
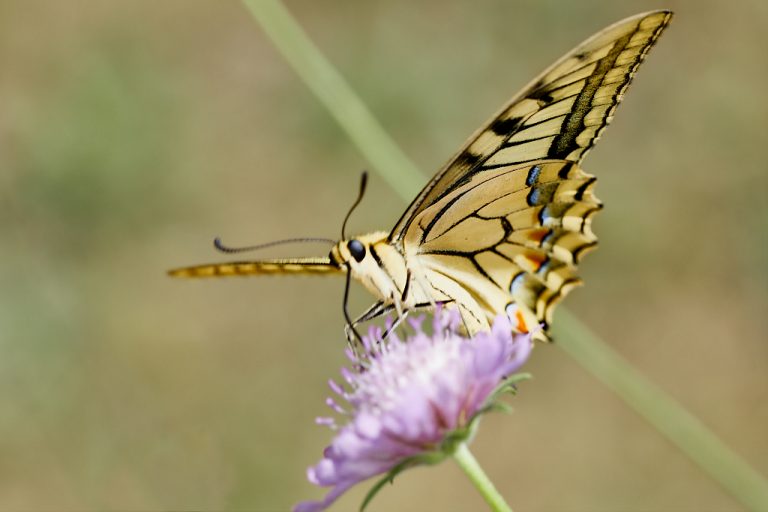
(533, 175)
(544, 214)
(517, 282)
(533, 197)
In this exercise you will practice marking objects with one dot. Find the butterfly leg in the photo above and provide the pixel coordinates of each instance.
(376, 310)
(395, 324)
(418, 307)
(380, 309)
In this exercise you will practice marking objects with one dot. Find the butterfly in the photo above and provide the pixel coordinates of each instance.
(504, 224)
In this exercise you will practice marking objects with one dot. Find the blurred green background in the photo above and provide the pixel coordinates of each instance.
(131, 133)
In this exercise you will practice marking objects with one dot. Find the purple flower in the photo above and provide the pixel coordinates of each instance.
(408, 400)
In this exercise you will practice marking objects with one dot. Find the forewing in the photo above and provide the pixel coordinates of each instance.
(559, 115)
(511, 237)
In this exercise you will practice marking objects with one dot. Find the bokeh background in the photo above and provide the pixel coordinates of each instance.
(132, 132)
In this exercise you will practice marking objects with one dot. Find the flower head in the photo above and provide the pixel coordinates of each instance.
(410, 398)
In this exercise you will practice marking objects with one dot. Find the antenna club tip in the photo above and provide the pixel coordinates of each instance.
(219, 245)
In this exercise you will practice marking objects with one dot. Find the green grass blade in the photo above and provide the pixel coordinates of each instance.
(651, 402)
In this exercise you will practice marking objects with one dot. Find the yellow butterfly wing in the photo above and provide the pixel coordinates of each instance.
(503, 225)
(559, 115)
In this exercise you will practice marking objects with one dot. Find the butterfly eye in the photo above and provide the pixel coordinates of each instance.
(356, 249)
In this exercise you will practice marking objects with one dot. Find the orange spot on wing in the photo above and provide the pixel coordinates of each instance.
(537, 235)
(536, 260)
(520, 322)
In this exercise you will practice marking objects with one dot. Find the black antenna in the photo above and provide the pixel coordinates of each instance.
(363, 183)
(229, 250)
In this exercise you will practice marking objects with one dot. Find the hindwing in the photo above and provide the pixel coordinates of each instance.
(511, 238)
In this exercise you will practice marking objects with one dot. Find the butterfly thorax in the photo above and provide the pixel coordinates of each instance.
(377, 265)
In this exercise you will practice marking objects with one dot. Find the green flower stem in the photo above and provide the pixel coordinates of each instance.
(652, 403)
(472, 469)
